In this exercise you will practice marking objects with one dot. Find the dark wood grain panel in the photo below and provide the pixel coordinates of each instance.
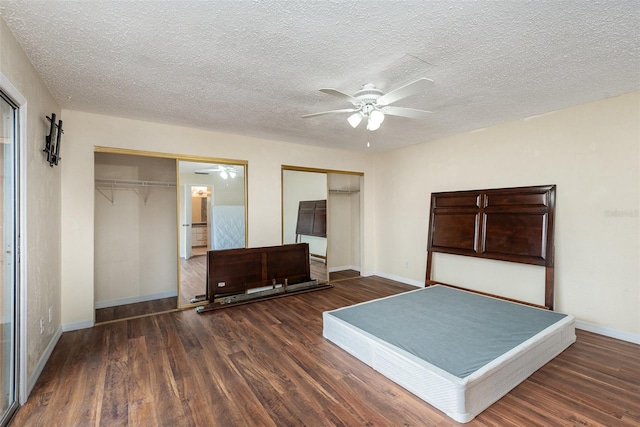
(234, 271)
(455, 231)
(530, 199)
(516, 234)
(312, 218)
(267, 364)
(229, 271)
(457, 200)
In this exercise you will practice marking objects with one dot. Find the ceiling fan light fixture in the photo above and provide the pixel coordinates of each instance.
(372, 124)
(372, 105)
(232, 174)
(224, 175)
(377, 116)
(355, 119)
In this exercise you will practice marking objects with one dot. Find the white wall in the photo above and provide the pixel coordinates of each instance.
(591, 152)
(84, 131)
(43, 191)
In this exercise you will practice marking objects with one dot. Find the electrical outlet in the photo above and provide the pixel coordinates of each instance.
(50, 314)
(41, 325)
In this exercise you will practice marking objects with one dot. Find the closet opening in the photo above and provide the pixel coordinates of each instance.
(156, 215)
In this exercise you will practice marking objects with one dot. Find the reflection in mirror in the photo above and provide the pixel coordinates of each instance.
(304, 196)
(211, 217)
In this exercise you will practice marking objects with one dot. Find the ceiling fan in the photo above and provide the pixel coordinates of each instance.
(226, 172)
(372, 104)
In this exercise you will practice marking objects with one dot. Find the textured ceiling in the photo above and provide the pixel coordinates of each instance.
(253, 68)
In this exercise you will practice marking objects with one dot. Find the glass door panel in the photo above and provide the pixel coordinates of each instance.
(7, 261)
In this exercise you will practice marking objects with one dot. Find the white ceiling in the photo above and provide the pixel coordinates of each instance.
(254, 67)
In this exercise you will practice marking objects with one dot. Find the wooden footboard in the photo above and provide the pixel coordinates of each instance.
(236, 276)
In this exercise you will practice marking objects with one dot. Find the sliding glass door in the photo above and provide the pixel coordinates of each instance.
(8, 260)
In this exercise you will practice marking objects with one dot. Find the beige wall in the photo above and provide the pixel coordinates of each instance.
(591, 152)
(84, 131)
(42, 189)
(343, 223)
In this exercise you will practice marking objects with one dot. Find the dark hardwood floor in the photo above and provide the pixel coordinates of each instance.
(125, 311)
(267, 364)
(318, 270)
(343, 274)
(193, 278)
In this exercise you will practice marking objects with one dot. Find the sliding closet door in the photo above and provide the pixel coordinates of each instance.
(8, 300)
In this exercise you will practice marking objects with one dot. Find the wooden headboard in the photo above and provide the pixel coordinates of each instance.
(508, 224)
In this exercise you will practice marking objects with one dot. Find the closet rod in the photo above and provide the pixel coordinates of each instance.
(344, 191)
(132, 183)
(110, 185)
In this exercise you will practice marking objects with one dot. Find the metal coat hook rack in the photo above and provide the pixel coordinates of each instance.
(53, 140)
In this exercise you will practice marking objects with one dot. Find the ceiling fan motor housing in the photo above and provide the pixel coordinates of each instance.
(368, 94)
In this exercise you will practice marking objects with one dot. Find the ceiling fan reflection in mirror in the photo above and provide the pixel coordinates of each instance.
(225, 172)
(372, 105)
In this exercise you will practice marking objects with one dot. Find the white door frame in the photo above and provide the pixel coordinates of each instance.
(21, 278)
(185, 222)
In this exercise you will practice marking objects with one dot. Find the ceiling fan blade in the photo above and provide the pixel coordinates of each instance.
(412, 88)
(346, 110)
(411, 113)
(336, 92)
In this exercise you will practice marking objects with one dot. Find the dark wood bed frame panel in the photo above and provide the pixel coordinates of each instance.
(233, 272)
(507, 224)
(312, 221)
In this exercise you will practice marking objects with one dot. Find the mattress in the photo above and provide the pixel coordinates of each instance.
(227, 227)
(458, 351)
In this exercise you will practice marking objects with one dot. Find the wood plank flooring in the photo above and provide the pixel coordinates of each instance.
(318, 270)
(193, 278)
(343, 274)
(124, 311)
(267, 364)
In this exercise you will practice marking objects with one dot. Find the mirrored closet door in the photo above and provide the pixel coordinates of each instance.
(212, 216)
(304, 201)
(332, 198)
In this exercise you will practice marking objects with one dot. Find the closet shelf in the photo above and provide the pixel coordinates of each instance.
(343, 191)
(108, 187)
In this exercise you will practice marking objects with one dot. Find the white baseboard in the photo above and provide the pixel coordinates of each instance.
(343, 268)
(133, 300)
(411, 282)
(42, 362)
(66, 327)
(609, 332)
